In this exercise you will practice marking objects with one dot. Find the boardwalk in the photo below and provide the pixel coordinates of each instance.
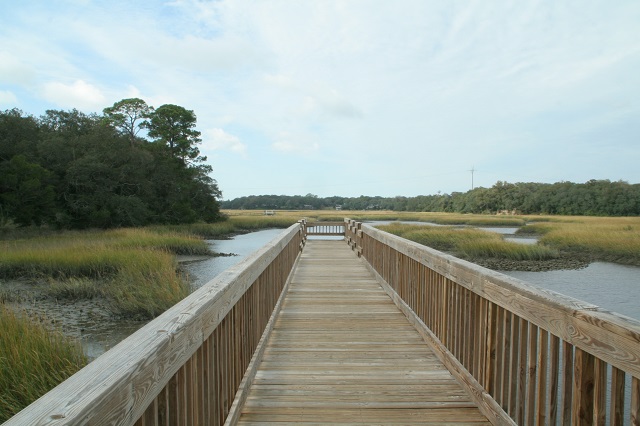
(342, 353)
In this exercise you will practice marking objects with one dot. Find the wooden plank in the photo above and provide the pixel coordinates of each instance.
(340, 352)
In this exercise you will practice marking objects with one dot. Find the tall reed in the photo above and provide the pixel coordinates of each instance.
(607, 239)
(133, 268)
(33, 360)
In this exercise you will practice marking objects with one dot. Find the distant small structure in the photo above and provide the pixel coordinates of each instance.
(338, 207)
(269, 212)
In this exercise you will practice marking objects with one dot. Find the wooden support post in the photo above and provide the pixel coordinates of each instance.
(583, 384)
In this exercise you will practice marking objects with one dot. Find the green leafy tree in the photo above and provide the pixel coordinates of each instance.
(129, 116)
(26, 196)
(174, 126)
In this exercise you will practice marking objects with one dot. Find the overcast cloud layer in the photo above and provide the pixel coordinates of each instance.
(352, 97)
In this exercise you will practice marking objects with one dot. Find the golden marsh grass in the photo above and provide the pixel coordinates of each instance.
(134, 268)
(469, 243)
(33, 360)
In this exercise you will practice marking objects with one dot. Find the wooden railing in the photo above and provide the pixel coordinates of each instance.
(325, 228)
(527, 355)
(184, 367)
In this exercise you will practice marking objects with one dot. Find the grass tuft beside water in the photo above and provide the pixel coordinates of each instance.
(608, 239)
(469, 243)
(32, 361)
(135, 269)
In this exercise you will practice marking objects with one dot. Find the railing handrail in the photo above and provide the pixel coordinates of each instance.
(119, 386)
(503, 290)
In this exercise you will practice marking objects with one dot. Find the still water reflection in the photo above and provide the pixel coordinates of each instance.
(239, 247)
(611, 286)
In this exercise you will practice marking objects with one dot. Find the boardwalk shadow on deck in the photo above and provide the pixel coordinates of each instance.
(342, 353)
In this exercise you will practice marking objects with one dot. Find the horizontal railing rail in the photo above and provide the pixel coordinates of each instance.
(184, 367)
(528, 355)
(325, 228)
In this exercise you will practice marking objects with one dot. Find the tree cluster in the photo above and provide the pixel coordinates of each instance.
(593, 198)
(74, 170)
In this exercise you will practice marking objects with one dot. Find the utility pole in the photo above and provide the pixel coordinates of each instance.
(472, 170)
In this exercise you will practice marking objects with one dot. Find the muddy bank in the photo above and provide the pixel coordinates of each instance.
(562, 262)
(91, 321)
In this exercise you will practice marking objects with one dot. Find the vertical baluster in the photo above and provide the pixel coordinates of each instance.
(490, 357)
(513, 374)
(483, 341)
(567, 382)
(635, 401)
(616, 414)
(532, 358)
(600, 393)
(499, 356)
(583, 384)
(506, 357)
(472, 348)
(554, 372)
(523, 370)
(541, 393)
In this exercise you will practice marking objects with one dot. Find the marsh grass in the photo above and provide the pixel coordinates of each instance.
(469, 243)
(133, 268)
(33, 360)
(233, 225)
(607, 239)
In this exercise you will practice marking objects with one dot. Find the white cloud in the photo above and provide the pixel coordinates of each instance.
(330, 104)
(8, 98)
(13, 70)
(218, 139)
(295, 144)
(78, 94)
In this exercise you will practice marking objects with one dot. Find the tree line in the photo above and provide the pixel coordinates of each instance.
(132, 165)
(593, 198)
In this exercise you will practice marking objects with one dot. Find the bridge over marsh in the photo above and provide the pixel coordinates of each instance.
(368, 329)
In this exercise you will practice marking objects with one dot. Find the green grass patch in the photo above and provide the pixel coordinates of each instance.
(607, 239)
(33, 360)
(233, 225)
(500, 249)
(469, 243)
(135, 269)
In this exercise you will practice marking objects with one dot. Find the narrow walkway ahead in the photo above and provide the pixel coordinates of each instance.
(342, 353)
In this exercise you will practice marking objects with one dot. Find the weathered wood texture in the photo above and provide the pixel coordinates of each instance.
(541, 356)
(184, 367)
(342, 353)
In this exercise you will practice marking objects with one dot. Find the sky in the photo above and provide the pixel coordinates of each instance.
(351, 97)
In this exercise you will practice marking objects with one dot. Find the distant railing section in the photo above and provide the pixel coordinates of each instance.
(184, 367)
(528, 355)
(325, 228)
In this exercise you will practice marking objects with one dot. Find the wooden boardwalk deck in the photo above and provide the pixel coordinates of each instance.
(341, 353)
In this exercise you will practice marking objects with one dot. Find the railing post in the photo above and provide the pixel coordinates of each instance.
(583, 384)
